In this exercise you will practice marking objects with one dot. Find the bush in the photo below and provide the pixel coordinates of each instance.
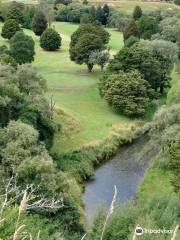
(39, 23)
(7, 59)
(50, 40)
(127, 92)
(10, 27)
(22, 48)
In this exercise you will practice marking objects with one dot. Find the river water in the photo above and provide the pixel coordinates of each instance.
(125, 170)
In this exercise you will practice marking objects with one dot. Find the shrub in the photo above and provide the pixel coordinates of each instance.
(50, 40)
(39, 23)
(22, 48)
(7, 59)
(10, 27)
(127, 92)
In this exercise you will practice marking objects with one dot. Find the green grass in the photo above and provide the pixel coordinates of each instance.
(128, 6)
(85, 116)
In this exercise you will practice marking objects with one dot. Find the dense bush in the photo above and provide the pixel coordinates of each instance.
(147, 26)
(39, 23)
(9, 28)
(7, 59)
(22, 98)
(50, 40)
(22, 48)
(127, 92)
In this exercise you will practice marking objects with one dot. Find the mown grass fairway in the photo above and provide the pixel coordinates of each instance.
(85, 116)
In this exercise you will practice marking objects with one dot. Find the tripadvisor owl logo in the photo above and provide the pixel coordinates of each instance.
(139, 231)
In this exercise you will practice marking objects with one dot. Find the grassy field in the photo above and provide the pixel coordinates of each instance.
(128, 6)
(84, 115)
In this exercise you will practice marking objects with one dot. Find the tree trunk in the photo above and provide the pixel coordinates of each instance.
(90, 67)
(162, 88)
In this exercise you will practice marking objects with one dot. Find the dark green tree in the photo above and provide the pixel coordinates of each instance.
(137, 13)
(16, 13)
(147, 26)
(22, 48)
(100, 15)
(11, 26)
(39, 23)
(86, 44)
(141, 59)
(90, 29)
(106, 12)
(50, 40)
(81, 47)
(128, 92)
(130, 29)
(28, 17)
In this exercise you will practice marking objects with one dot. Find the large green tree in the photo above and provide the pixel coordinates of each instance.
(141, 59)
(87, 38)
(22, 48)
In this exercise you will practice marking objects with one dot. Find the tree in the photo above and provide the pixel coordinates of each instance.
(50, 40)
(100, 58)
(141, 59)
(39, 23)
(137, 13)
(16, 14)
(147, 26)
(22, 48)
(28, 17)
(100, 15)
(81, 47)
(130, 29)
(10, 27)
(128, 92)
(106, 12)
(81, 51)
(22, 97)
(90, 29)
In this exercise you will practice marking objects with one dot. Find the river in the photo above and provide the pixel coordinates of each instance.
(125, 170)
